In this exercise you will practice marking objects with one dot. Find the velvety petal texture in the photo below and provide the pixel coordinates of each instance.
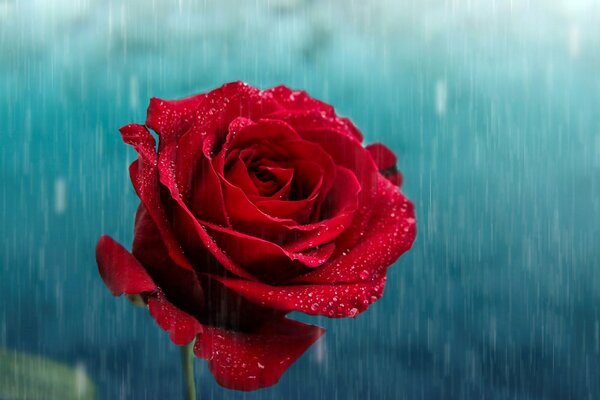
(256, 203)
(250, 361)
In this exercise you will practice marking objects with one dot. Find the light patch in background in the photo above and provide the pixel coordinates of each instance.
(319, 351)
(441, 97)
(134, 93)
(574, 41)
(81, 381)
(60, 195)
(596, 155)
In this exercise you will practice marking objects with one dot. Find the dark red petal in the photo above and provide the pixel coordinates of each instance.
(183, 220)
(243, 134)
(121, 272)
(250, 361)
(335, 301)
(382, 155)
(349, 153)
(298, 100)
(195, 238)
(316, 120)
(390, 232)
(141, 140)
(144, 177)
(386, 162)
(180, 285)
(223, 105)
(346, 153)
(181, 326)
(394, 176)
(237, 175)
(197, 181)
(171, 118)
(250, 250)
(350, 127)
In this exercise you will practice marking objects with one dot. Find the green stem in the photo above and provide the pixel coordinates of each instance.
(187, 365)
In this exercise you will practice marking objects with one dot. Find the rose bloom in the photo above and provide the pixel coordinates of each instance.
(256, 203)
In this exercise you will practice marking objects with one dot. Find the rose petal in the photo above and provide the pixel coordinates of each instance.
(181, 326)
(180, 285)
(238, 175)
(226, 308)
(386, 162)
(171, 118)
(251, 250)
(144, 177)
(121, 272)
(225, 104)
(389, 232)
(197, 181)
(317, 120)
(298, 100)
(349, 153)
(250, 361)
(334, 301)
(182, 219)
(382, 155)
(200, 245)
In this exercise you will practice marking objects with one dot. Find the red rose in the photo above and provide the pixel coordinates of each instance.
(256, 203)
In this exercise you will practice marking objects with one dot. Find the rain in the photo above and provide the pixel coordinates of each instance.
(491, 106)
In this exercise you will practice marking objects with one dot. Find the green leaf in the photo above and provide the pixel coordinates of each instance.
(29, 377)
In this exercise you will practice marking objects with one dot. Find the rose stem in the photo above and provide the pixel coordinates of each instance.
(187, 364)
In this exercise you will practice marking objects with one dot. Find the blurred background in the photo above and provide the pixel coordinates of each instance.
(492, 107)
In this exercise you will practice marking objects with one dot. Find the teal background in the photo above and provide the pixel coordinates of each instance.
(492, 107)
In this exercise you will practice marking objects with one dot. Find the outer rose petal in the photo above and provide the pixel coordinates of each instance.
(197, 180)
(181, 286)
(144, 176)
(121, 272)
(335, 301)
(181, 326)
(390, 232)
(250, 361)
(171, 118)
(298, 101)
(386, 162)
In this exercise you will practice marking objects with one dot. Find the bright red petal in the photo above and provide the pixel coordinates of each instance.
(335, 301)
(251, 250)
(386, 162)
(171, 118)
(197, 181)
(250, 361)
(180, 285)
(121, 272)
(144, 177)
(382, 155)
(181, 326)
(298, 100)
(389, 232)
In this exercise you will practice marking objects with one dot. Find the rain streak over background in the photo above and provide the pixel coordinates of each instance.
(492, 106)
